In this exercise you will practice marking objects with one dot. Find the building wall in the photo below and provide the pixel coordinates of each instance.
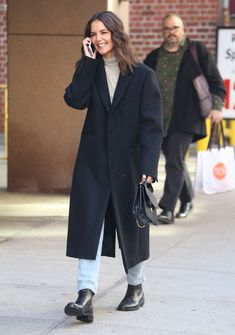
(44, 42)
(3, 58)
(121, 8)
(44, 39)
(200, 18)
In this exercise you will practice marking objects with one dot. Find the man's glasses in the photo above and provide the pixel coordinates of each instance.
(169, 30)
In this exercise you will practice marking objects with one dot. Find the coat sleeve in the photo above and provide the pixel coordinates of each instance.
(151, 125)
(78, 93)
(210, 71)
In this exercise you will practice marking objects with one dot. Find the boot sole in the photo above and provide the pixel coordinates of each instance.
(86, 318)
(80, 314)
(166, 221)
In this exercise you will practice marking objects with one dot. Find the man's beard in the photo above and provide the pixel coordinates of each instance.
(172, 43)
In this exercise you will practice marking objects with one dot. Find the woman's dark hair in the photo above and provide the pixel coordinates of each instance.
(123, 49)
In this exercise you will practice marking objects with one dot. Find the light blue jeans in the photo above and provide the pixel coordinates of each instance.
(88, 271)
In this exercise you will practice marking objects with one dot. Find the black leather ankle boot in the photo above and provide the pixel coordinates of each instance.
(184, 210)
(82, 308)
(133, 300)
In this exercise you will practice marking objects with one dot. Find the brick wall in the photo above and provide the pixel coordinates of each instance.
(3, 57)
(200, 19)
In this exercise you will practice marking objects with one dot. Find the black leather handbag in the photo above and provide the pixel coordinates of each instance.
(145, 205)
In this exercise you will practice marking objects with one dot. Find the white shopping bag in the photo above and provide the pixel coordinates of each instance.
(198, 176)
(215, 171)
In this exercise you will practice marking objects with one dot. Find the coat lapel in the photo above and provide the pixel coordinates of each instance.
(102, 85)
(103, 90)
(122, 83)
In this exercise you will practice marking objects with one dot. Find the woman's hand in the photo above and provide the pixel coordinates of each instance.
(87, 48)
(215, 116)
(148, 179)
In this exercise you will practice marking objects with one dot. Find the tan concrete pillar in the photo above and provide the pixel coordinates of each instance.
(121, 8)
(44, 41)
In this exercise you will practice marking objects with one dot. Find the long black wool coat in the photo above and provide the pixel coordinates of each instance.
(119, 142)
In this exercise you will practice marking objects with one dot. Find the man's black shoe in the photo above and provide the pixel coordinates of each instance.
(82, 308)
(166, 217)
(133, 300)
(184, 210)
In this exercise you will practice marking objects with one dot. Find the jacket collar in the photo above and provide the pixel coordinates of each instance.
(122, 84)
(102, 86)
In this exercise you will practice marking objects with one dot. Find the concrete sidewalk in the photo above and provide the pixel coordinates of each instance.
(190, 287)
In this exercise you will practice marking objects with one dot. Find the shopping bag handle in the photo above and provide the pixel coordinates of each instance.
(213, 128)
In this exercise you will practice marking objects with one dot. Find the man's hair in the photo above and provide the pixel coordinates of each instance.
(172, 15)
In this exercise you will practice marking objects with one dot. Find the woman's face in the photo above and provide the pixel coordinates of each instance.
(101, 37)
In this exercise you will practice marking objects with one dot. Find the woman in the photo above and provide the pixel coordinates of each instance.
(120, 146)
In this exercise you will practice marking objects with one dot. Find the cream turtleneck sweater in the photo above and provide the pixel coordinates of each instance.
(112, 74)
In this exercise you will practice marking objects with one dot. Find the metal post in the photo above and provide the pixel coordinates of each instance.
(6, 123)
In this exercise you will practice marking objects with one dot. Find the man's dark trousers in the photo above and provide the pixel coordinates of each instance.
(177, 183)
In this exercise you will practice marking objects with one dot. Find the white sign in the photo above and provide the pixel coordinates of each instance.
(226, 66)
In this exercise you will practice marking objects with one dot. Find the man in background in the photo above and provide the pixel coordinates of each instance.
(176, 68)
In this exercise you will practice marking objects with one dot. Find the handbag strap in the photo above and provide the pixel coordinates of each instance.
(193, 49)
(213, 128)
(148, 185)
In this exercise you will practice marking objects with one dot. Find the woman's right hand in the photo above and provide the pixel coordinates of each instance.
(87, 48)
